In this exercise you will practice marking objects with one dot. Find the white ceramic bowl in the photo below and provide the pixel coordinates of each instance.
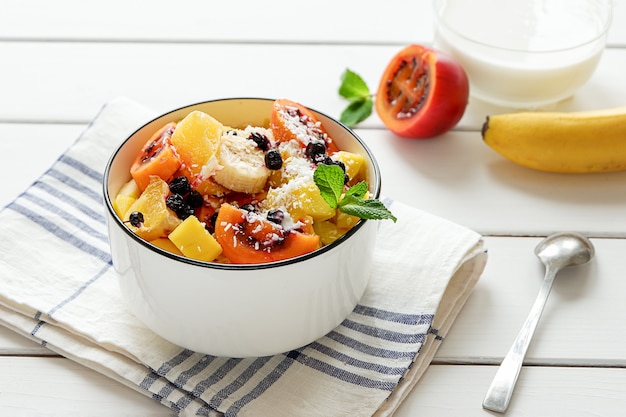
(521, 53)
(239, 310)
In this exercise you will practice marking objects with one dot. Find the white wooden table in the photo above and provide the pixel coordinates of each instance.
(60, 61)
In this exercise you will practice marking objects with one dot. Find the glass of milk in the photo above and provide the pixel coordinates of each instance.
(525, 54)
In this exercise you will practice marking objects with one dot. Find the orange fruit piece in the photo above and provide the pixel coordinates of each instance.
(290, 120)
(196, 139)
(257, 241)
(157, 157)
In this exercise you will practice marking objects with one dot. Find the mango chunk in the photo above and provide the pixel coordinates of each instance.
(194, 241)
(345, 221)
(327, 231)
(300, 200)
(167, 245)
(355, 163)
(127, 195)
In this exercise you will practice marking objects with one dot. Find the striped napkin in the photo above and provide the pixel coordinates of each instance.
(58, 287)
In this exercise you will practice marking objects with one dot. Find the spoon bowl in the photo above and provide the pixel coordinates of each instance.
(557, 251)
(565, 249)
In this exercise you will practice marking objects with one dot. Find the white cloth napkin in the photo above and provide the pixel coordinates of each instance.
(58, 287)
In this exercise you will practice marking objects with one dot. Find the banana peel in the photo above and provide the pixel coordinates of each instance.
(563, 142)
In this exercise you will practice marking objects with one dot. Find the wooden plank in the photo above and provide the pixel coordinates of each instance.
(57, 387)
(68, 82)
(459, 178)
(582, 323)
(325, 21)
(36, 147)
(452, 391)
(200, 21)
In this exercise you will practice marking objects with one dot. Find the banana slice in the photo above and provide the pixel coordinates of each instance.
(241, 164)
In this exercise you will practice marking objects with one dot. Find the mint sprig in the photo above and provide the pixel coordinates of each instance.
(330, 181)
(361, 102)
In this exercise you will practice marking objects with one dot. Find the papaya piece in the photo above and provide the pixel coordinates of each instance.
(156, 158)
(247, 239)
(292, 121)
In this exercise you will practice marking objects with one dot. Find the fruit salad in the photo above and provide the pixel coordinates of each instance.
(233, 194)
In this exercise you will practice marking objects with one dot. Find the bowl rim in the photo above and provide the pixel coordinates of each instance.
(608, 18)
(376, 187)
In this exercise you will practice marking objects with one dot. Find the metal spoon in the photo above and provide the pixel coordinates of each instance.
(557, 251)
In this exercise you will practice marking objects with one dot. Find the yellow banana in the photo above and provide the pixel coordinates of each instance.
(565, 142)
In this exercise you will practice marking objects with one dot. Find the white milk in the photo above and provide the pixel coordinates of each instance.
(566, 38)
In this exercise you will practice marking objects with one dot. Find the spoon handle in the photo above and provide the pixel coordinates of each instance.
(501, 388)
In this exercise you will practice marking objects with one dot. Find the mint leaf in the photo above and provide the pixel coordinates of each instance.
(352, 86)
(366, 209)
(357, 190)
(329, 179)
(357, 111)
(354, 89)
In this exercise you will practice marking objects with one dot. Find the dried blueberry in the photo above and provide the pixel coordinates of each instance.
(210, 225)
(195, 199)
(248, 207)
(136, 218)
(177, 204)
(340, 165)
(315, 149)
(273, 160)
(261, 140)
(275, 216)
(325, 159)
(180, 185)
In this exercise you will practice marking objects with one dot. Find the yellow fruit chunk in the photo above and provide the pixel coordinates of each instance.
(196, 139)
(355, 163)
(345, 221)
(167, 245)
(127, 195)
(122, 203)
(194, 241)
(327, 231)
(159, 221)
(294, 164)
(300, 200)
